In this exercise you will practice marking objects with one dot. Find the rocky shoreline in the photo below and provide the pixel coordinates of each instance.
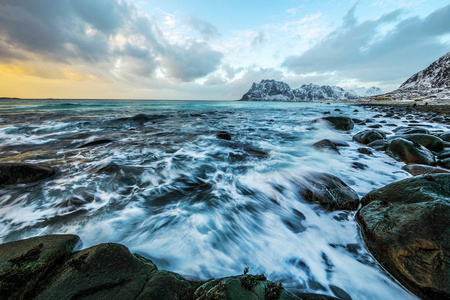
(406, 226)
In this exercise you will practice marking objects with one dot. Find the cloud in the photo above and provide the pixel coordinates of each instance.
(259, 39)
(207, 30)
(192, 61)
(112, 37)
(390, 48)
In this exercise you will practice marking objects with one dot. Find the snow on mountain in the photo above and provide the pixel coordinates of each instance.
(431, 83)
(373, 91)
(271, 90)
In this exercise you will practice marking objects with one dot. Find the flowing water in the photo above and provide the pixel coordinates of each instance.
(169, 189)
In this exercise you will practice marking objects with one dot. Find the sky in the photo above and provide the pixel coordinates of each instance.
(211, 49)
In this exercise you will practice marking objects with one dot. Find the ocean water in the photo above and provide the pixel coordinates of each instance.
(169, 189)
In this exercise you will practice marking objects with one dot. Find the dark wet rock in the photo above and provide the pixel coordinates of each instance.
(223, 135)
(340, 123)
(406, 226)
(251, 287)
(365, 150)
(96, 143)
(369, 121)
(416, 169)
(444, 154)
(326, 144)
(379, 145)
(340, 143)
(357, 121)
(444, 163)
(369, 135)
(17, 173)
(445, 137)
(307, 296)
(359, 166)
(410, 130)
(430, 142)
(438, 119)
(375, 126)
(326, 112)
(329, 191)
(26, 264)
(378, 116)
(410, 152)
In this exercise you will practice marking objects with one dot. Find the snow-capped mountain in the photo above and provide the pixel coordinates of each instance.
(271, 90)
(431, 83)
(373, 91)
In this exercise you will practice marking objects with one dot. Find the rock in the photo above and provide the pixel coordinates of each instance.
(367, 136)
(375, 126)
(360, 166)
(444, 154)
(408, 130)
(416, 169)
(340, 123)
(409, 152)
(25, 264)
(95, 143)
(329, 191)
(307, 296)
(365, 150)
(428, 141)
(110, 271)
(438, 119)
(16, 173)
(244, 287)
(326, 144)
(379, 145)
(406, 226)
(444, 163)
(223, 135)
(445, 137)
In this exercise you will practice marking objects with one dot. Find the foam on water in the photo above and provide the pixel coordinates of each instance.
(167, 188)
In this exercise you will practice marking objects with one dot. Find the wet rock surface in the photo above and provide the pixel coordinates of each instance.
(329, 191)
(19, 173)
(406, 226)
(410, 152)
(48, 267)
(340, 122)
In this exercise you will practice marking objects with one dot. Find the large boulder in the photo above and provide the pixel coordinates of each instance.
(410, 130)
(429, 141)
(410, 152)
(110, 271)
(340, 123)
(329, 191)
(16, 173)
(406, 226)
(25, 264)
(368, 136)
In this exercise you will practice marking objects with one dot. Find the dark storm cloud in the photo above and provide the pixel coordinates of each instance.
(370, 52)
(74, 31)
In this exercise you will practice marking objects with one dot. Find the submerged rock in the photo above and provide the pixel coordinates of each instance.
(326, 144)
(340, 123)
(95, 143)
(16, 173)
(329, 191)
(223, 135)
(367, 136)
(410, 152)
(406, 226)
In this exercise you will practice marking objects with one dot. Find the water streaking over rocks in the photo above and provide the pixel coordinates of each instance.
(158, 178)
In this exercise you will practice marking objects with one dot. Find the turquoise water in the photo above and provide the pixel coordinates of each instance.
(168, 188)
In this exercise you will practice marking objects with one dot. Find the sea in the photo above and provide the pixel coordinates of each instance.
(168, 188)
